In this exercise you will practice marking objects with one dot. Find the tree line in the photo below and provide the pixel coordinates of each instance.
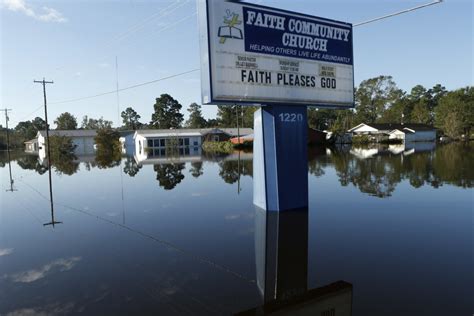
(377, 100)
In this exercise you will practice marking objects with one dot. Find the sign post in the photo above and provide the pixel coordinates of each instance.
(283, 62)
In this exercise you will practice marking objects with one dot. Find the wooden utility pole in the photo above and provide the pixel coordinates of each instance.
(48, 147)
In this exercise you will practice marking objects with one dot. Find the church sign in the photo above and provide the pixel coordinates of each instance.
(257, 55)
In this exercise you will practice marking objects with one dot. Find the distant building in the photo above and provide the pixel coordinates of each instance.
(31, 146)
(83, 139)
(404, 132)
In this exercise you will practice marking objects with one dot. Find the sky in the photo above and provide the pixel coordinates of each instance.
(76, 45)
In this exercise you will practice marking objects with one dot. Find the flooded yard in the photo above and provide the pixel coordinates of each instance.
(390, 227)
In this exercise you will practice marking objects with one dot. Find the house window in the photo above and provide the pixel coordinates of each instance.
(162, 142)
(156, 152)
(181, 152)
(186, 142)
(180, 142)
(156, 142)
(196, 143)
(163, 152)
(150, 143)
(186, 151)
(215, 138)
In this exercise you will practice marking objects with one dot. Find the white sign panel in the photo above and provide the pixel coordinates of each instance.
(252, 54)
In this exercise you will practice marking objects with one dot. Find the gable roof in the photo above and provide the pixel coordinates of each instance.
(392, 126)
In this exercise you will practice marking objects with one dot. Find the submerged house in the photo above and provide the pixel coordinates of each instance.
(82, 139)
(153, 143)
(403, 132)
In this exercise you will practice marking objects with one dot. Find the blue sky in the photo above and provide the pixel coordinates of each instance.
(75, 44)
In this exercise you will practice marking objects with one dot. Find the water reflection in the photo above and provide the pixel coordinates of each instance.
(169, 175)
(375, 171)
(281, 257)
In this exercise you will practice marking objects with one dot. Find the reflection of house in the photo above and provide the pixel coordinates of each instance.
(404, 132)
(82, 139)
(186, 141)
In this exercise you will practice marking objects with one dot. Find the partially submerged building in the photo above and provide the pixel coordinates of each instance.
(82, 139)
(403, 132)
(154, 143)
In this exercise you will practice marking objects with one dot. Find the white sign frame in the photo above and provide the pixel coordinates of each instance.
(220, 75)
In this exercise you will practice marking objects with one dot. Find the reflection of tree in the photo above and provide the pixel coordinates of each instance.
(196, 169)
(453, 164)
(169, 175)
(131, 167)
(379, 175)
(66, 165)
(230, 170)
(29, 162)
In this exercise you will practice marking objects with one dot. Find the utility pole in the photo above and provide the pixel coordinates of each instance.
(8, 149)
(44, 82)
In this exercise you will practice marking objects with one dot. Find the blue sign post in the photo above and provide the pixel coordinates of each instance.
(283, 62)
(280, 160)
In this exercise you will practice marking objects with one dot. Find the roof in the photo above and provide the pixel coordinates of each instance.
(392, 126)
(404, 130)
(194, 132)
(31, 141)
(71, 133)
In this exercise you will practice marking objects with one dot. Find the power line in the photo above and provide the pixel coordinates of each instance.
(398, 13)
(127, 88)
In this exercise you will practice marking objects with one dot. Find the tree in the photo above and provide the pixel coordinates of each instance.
(167, 113)
(455, 112)
(374, 96)
(28, 129)
(62, 155)
(226, 115)
(66, 121)
(90, 123)
(108, 148)
(196, 120)
(131, 119)
(321, 119)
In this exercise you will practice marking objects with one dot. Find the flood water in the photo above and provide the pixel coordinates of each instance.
(389, 231)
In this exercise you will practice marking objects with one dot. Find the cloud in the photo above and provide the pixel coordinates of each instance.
(104, 65)
(48, 14)
(5, 251)
(36, 274)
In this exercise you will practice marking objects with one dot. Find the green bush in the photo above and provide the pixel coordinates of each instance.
(218, 147)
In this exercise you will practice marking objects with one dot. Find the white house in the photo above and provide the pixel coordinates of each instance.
(83, 139)
(404, 132)
(153, 143)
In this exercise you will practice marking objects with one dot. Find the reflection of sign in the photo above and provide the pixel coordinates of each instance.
(280, 57)
(230, 30)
